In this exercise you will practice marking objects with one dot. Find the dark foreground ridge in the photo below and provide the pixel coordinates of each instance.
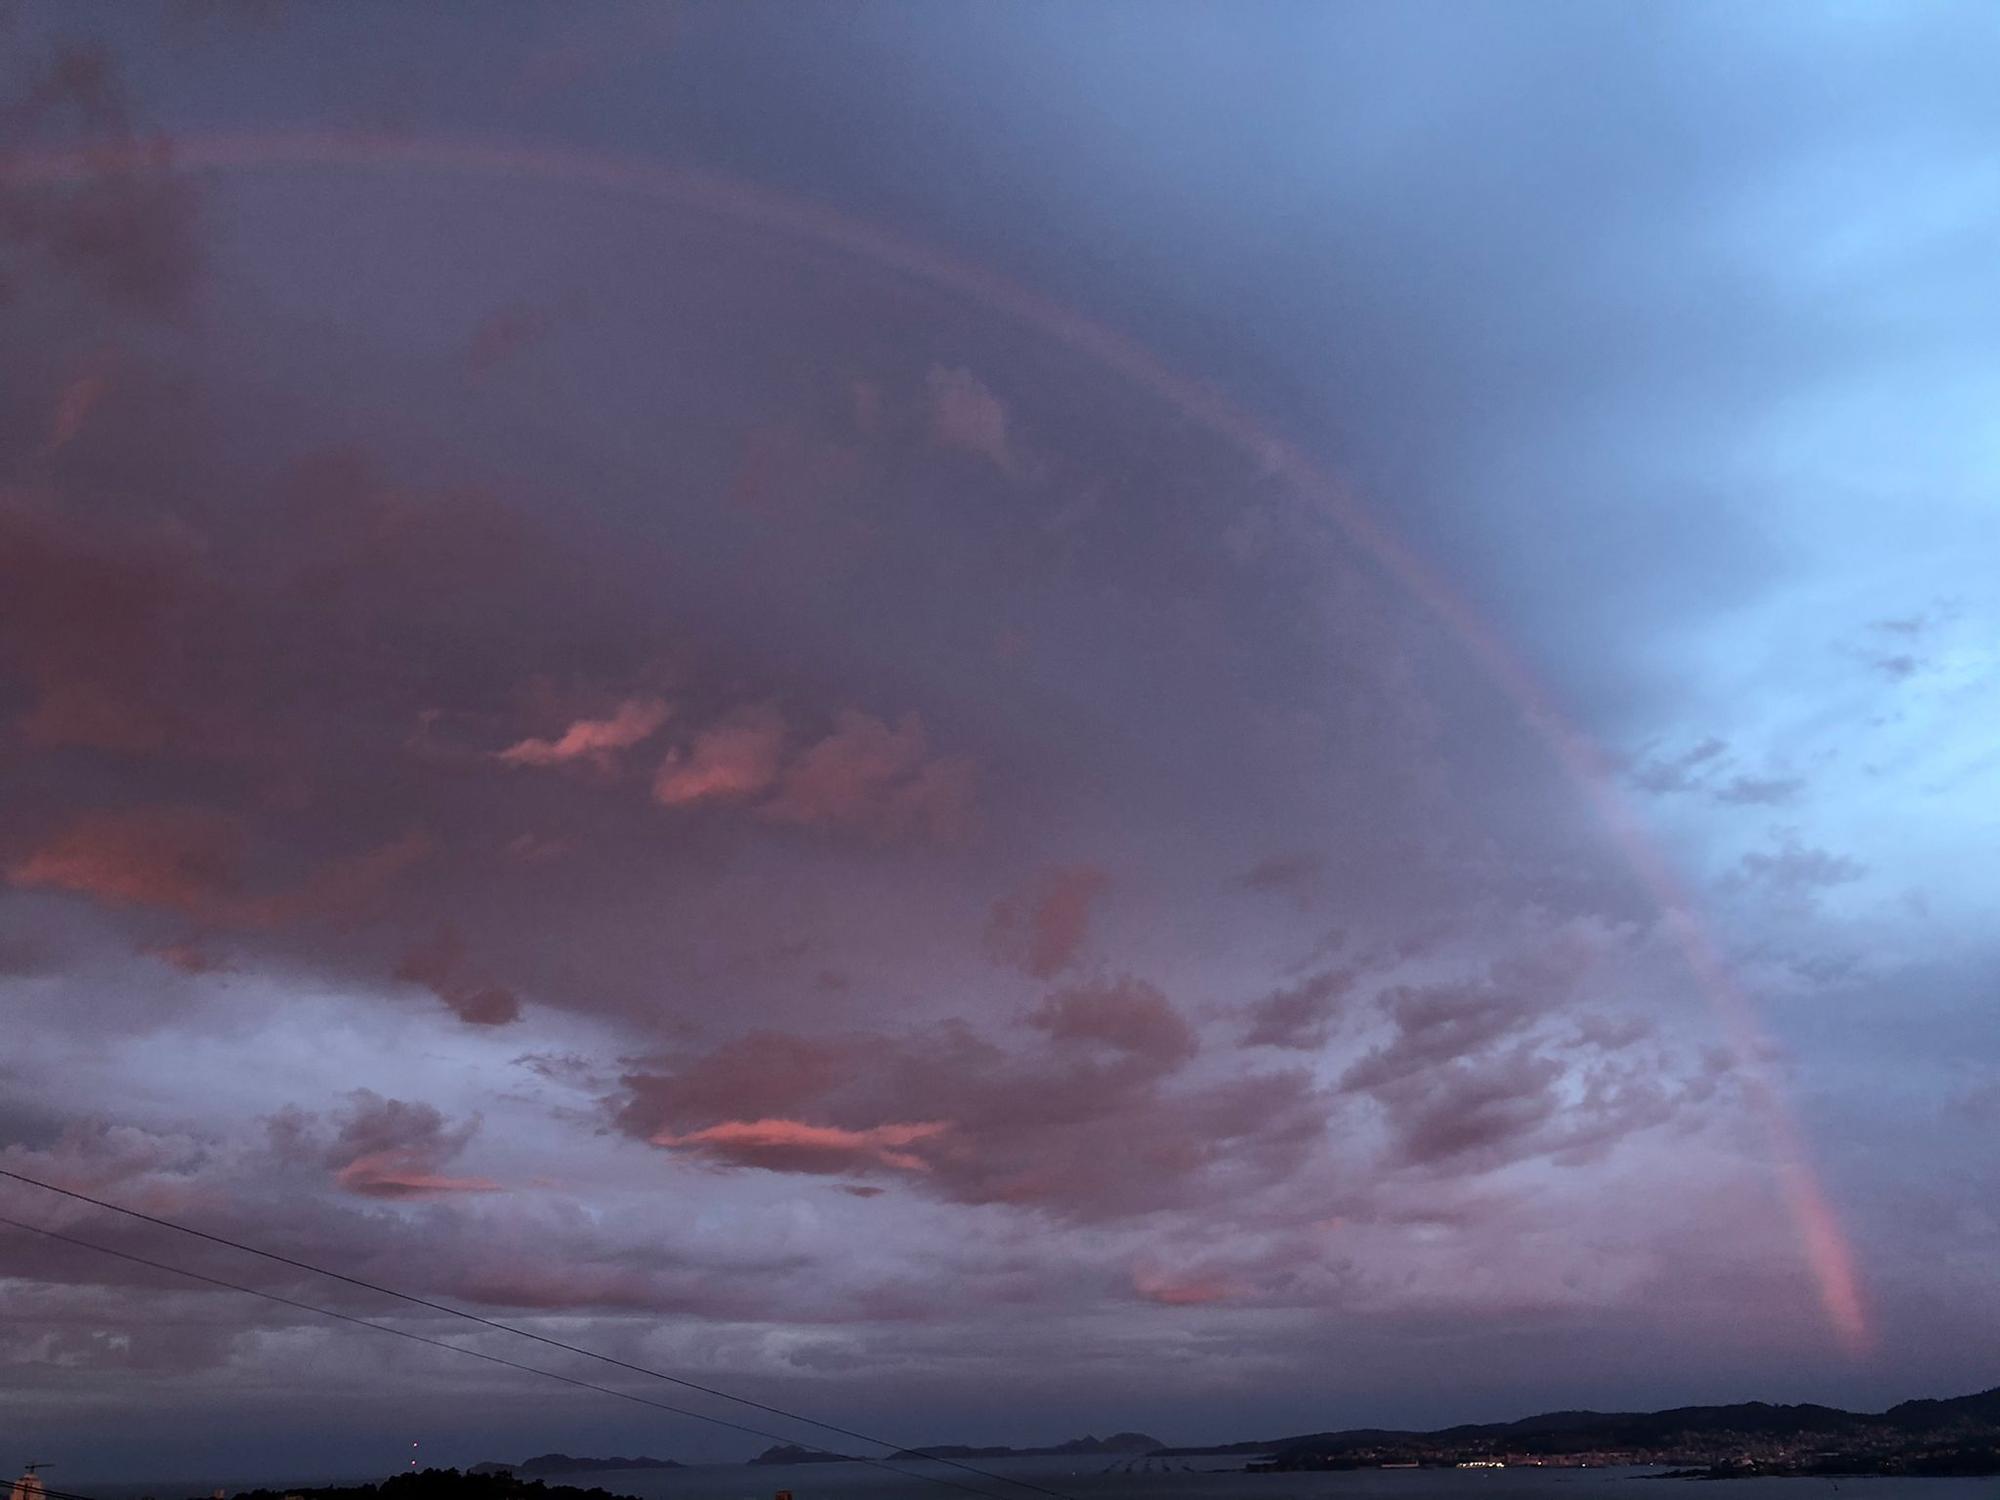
(440, 1484)
(1956, 1436)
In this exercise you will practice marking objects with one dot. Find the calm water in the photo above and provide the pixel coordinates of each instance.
(1216, 1479)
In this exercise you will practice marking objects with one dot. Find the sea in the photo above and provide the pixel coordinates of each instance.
(1214, 1479)
(1099, 1478)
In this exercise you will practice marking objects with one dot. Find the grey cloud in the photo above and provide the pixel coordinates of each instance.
(1298, 1015)
(1760, 791)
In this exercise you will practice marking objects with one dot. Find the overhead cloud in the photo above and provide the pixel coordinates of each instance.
(442, 966)
(795, 1146)
(731, 761)
(1179, 1290)
(868, 778)
(1128, 1016)
(1105, 1119)
(1291, 873)
(1299, 1015)
(387, 1148)
(1042, 928)
(125, 224)
(174, 858)
(965, 414)
(594, 740)
(1797, 869)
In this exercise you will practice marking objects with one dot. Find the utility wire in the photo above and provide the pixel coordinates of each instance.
(494, 1359)
(526, 1333)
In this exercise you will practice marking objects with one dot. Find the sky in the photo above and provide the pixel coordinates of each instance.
(994, 720)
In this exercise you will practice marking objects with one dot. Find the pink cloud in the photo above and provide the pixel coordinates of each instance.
(795, 1146)
(190, 860)
(1094, 1118)
(869, 778)
(384, 1148)
(595, 740)
(966, 415)
(730, 762)
(1179, 1291)
(179, 859)
(1041, 930)
(391, 1174)
(1128, 1015)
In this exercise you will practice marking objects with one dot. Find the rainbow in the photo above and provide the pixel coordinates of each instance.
(1822, 1243)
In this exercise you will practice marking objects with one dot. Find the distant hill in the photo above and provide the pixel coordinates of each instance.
(1920, 1436)
(563, 1463)
(1118, 1442)
(440, 1484)
(1685, 1429)
(790, 1453)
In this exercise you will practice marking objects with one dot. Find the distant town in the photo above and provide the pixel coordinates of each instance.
(1956, 1436)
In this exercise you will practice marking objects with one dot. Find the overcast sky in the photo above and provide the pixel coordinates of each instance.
(996, 719)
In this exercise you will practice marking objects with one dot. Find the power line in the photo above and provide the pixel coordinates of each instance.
(526, 1333)
(494, 1359)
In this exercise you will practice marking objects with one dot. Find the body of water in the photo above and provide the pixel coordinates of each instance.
(1100, 1478)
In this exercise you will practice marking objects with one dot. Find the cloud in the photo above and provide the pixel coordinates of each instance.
(868, 778)
(1795, 868)
(1437, 1024)
(1760, 791)
(1183, 1290)
(1041, 929)
(384, 1148)
(125, 224)
(1292, 873)
(1127, 1015)
(1680, 773)
(175, 859)
(761, 1073)
(780, 1145)
(507, 333)
(79, 397)
(594, 740)
(1476, 1075)
(94, 612)
(441, 966)
(1297, 1016)
(968, 416)
(345, 889)
(92, 1153)
(191, 860)
(1488, 1103)
(189, 958)
(1094, 1115)
(732, 761)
